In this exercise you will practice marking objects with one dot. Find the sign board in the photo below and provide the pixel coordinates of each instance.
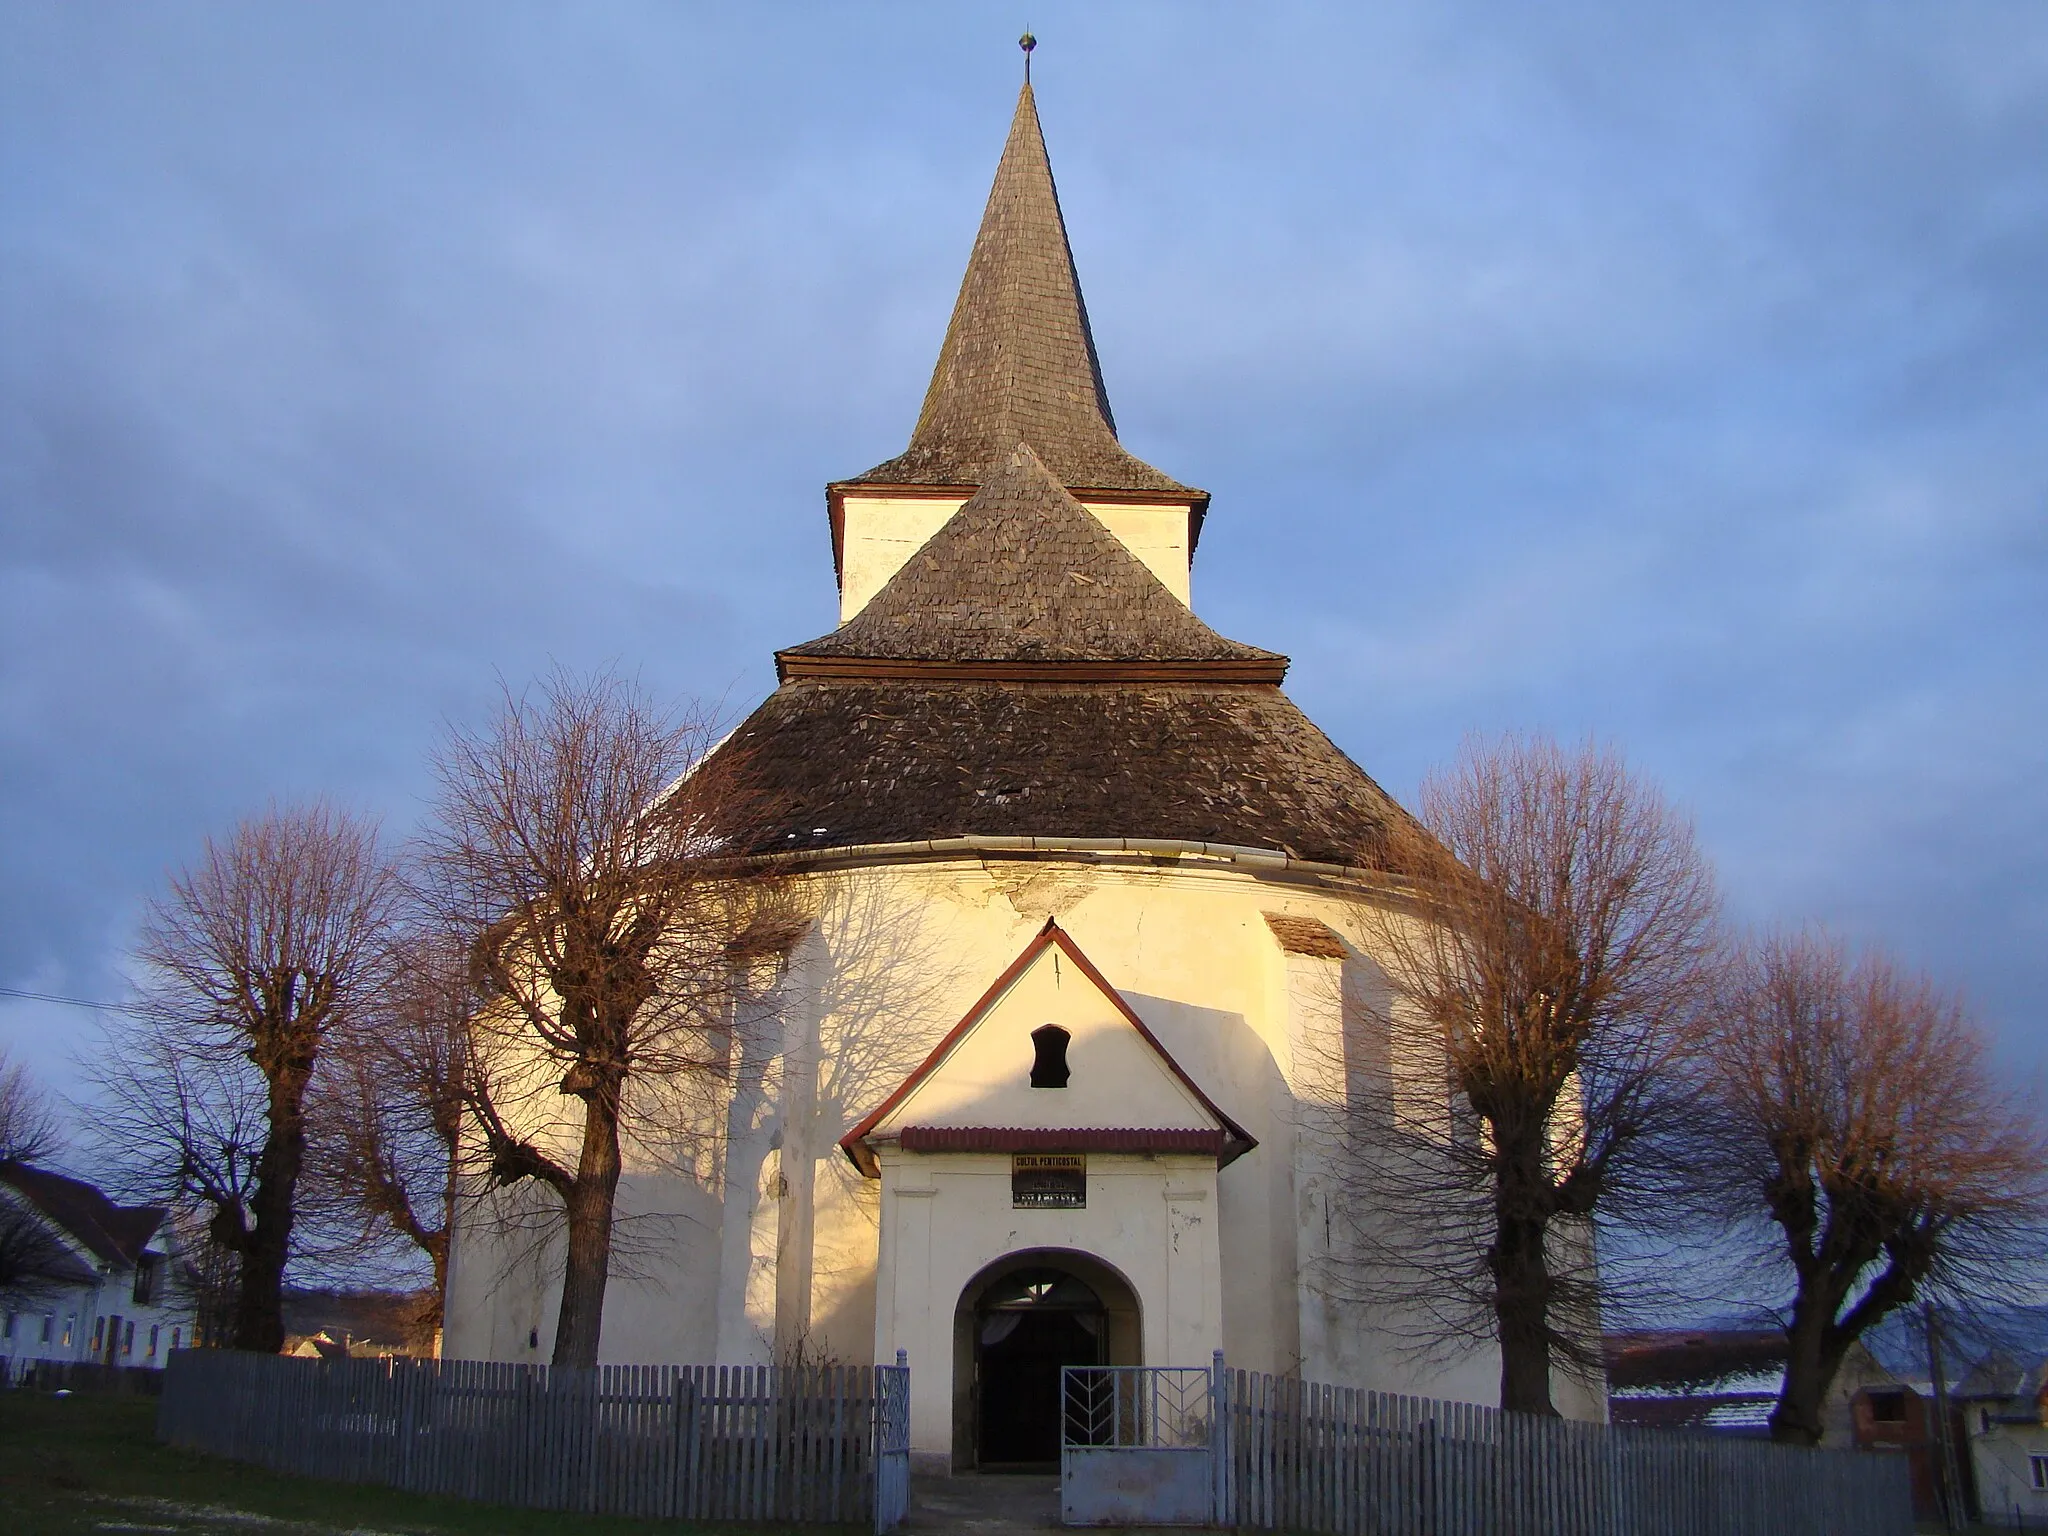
(1055, 1181)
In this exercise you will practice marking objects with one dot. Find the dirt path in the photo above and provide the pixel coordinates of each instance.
(985, 1504)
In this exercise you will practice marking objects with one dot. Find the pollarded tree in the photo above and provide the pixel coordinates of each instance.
(255, 958)
(389, 1112)
(1547, 951)
(1865, 1143)
(589, 874)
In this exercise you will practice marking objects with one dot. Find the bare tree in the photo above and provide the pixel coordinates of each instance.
(389, 1112)
(256, 957)
(1541, 968)
(1867, 1142)
(590, 874)
(29, 1131)
(34, 1260)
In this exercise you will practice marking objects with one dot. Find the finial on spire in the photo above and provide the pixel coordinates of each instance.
(1027, 42)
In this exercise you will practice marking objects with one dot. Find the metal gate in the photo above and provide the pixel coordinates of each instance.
(892, 1443)
(1141, 1444)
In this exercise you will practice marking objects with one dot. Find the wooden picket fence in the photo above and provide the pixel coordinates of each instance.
(743, 1443)
(1304, 1457)
(79, 1376)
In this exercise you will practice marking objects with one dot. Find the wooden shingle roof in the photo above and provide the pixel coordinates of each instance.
(1018, 362)
(839, 764)
(1024, 573)
(1024, 674)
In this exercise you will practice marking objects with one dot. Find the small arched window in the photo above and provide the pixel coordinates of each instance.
(1049, 1064)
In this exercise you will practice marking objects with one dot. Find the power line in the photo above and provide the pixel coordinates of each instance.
(68, 1002)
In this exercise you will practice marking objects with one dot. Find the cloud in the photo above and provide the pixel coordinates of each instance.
(1679, 378)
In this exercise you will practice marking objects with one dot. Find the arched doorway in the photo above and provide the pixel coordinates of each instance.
(1018, 1323)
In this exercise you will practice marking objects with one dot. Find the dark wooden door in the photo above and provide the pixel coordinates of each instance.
(1020, 1386)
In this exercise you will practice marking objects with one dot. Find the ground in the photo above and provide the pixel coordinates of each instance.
(91, 1463)
(988, 1504)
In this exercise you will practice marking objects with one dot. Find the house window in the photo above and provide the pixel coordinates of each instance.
(128, 1338)
(177, 1336)
(10, 1325)
(1049, 1066)
(49, 1325)
(99, 1333)
(70, 1325)
(2040, 1466)
(153, 1327)
(1887, 1407)
(145, 1278)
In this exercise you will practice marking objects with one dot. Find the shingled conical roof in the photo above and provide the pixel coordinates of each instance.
(1024, 675)
(1024, 573)
(1018, 363)
(854, 762)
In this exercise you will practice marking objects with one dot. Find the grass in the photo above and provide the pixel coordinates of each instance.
(91, 1463)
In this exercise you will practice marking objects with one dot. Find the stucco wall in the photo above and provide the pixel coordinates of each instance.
(879, 533)
(2002, 1460)
(776, 1240)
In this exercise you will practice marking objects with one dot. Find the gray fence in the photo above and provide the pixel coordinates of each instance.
(892, 1443)
(79, 1376)
(658, 1441)
(1138, 1445)
(1303, 1457)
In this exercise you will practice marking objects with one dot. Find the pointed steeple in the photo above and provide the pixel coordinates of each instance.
(1018, 363)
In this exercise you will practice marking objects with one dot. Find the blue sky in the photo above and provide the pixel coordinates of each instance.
(1676, 375)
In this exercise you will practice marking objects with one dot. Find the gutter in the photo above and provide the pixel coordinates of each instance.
(1260, 861)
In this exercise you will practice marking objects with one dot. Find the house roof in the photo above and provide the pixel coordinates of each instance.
(1018, 362)
(1024, 573)
(1234, 1141)
(1999, 1375)
(852, 763)
(113, 1234)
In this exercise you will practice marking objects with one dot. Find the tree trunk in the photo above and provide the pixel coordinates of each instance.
(1521, 1285)
(265, 1246)
(1810, 1367)
(1521, 1276)
(451, 1186)
(587, 1267)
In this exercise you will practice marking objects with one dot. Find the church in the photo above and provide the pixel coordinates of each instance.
(1081, 891)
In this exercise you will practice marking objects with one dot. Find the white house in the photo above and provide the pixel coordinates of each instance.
(109, 1293)
(2004, 1411)
(1084, 891)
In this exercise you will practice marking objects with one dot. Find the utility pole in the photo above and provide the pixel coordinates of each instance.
(1947, 1476)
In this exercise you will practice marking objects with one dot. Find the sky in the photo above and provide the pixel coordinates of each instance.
(1673, 376)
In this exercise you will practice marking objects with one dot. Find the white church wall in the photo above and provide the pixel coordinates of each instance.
(879, 533)
(1157, 535)
(1115, 1077)
(898, 955)
(1313, 989)
(503, 1289)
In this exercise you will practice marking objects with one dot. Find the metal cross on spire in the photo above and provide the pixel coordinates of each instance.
(1027, 42)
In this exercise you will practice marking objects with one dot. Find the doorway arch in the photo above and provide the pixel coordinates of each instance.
(1017, 1322)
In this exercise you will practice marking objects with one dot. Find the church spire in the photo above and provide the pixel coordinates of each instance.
(1018, 363)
